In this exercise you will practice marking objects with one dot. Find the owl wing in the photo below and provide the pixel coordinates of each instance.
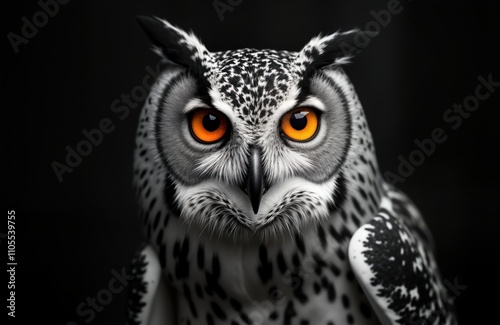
(393, 260)
(149, 300)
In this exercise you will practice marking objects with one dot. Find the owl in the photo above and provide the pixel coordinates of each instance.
(261, 198)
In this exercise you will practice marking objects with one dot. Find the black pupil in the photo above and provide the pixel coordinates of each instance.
(211, 122)
(298, 121)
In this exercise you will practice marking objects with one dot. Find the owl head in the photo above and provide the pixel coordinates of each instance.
(251, 143)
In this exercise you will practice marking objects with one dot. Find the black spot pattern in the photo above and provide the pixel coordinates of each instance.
(345, 301)
(299, 241)
(365, 310)
(199, 291)
(265, 268)
(212, 280)
(281, 263)
(289, 313)
(298, 283)
(163, 255)
(218, 311)
(235, 303)
(230, 78)
(322, 236)
(181, 257)
(201, 257)
(137, 288)
(187, 295)
(393, 255)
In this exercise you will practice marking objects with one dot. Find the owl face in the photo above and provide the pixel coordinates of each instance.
(252, 141)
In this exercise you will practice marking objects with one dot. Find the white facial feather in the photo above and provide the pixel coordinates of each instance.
(206, 203)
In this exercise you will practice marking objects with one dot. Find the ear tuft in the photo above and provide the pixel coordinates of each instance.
(334, 49)
(174, 44)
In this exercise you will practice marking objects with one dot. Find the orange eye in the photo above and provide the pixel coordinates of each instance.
(208, 125)
(300, 124)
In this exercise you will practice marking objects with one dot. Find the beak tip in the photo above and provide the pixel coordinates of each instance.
(255, 201)
(254, 179)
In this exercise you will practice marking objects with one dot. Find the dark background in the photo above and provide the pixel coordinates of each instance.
(70, 235)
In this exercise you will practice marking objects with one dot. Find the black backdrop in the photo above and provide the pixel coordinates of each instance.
(72, 234)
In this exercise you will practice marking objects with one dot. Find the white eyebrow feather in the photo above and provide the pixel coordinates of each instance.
(194, 104)
(313, 102)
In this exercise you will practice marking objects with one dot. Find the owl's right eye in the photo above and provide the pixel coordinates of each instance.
(208, 125)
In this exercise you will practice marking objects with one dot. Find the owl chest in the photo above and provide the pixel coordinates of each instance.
(259, 283)
(219, 271)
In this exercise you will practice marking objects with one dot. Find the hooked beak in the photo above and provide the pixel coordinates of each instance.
(254, 178)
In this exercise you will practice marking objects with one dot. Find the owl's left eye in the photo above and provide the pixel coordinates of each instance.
(300, 124)
(208, 125)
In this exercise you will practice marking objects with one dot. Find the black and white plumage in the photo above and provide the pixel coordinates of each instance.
(261, 196)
